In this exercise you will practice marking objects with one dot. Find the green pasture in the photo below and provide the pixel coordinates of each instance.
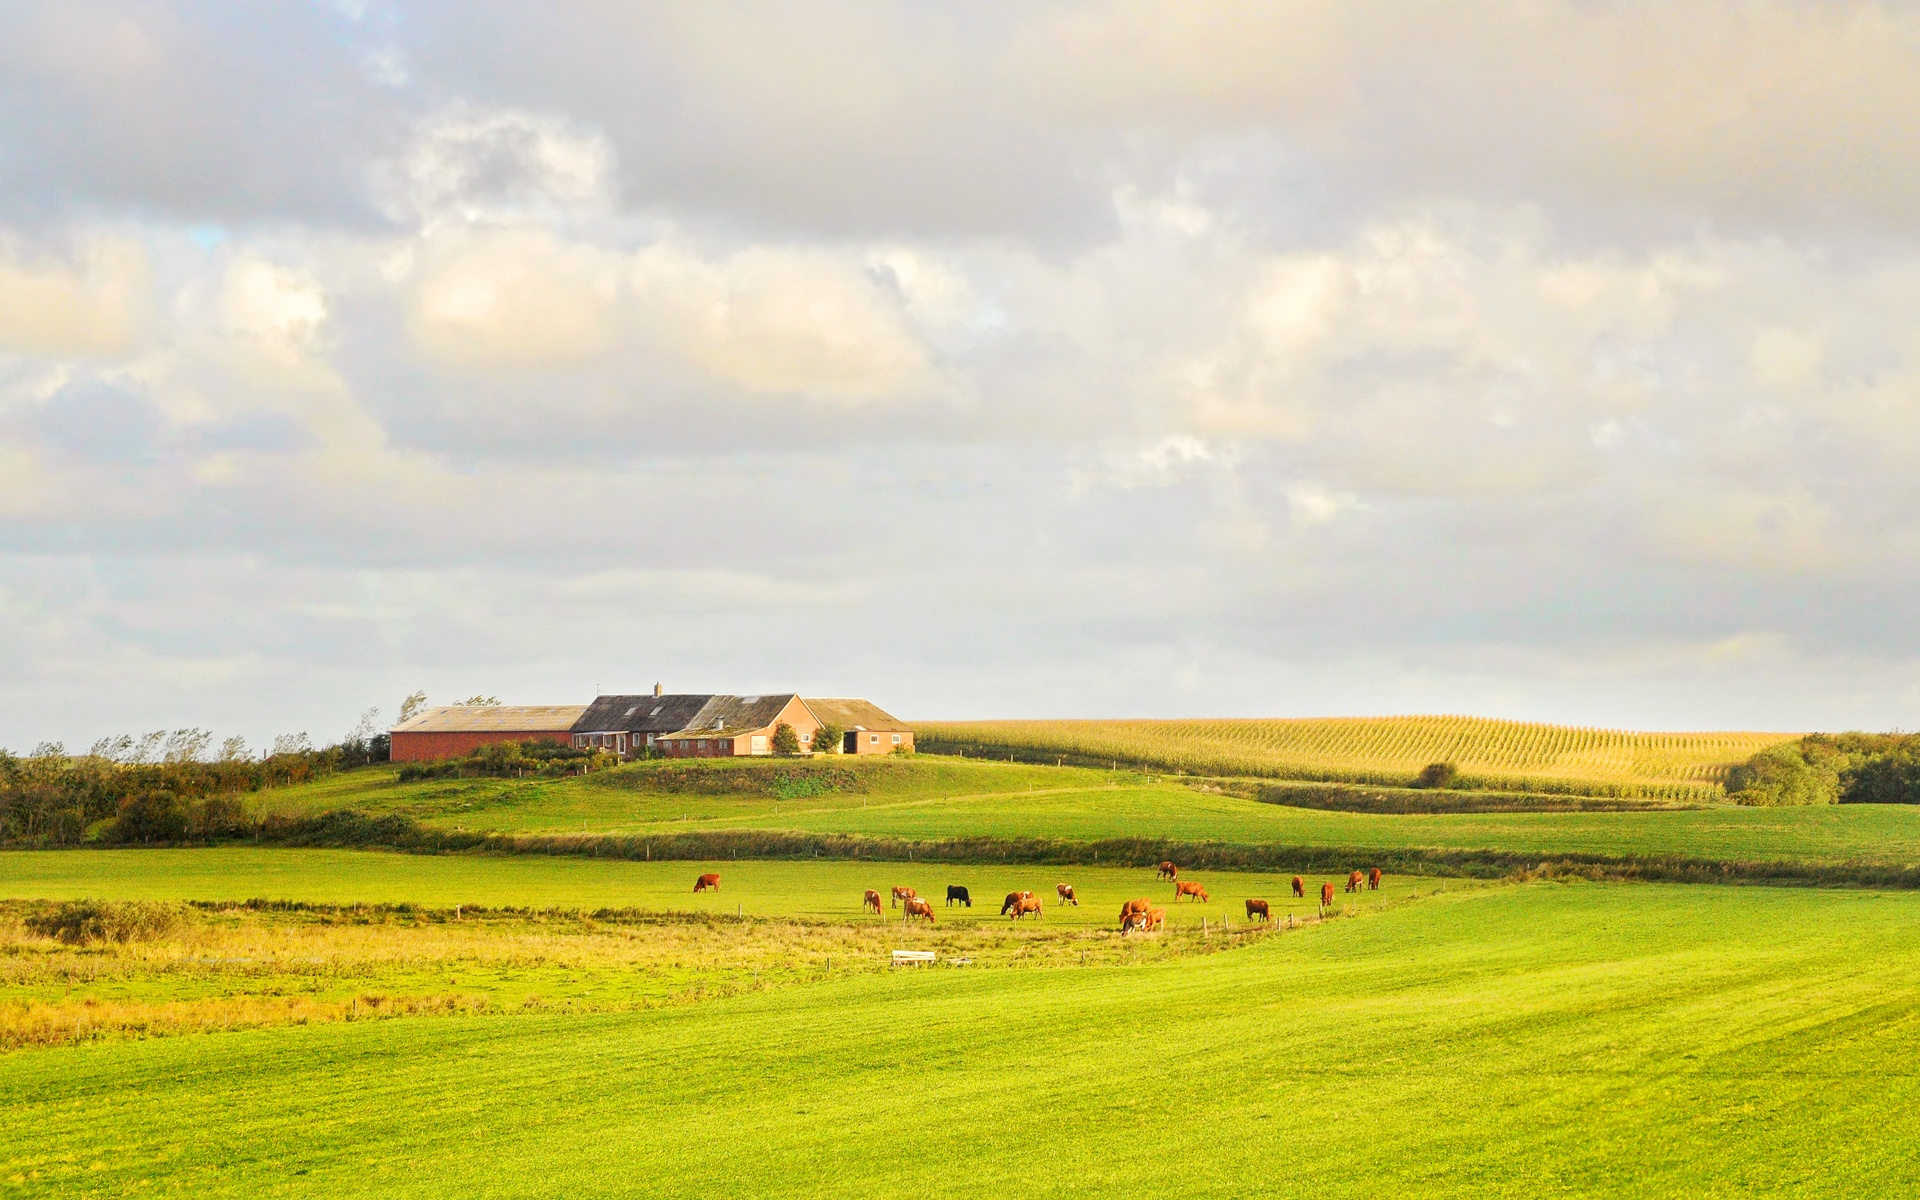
(948, 798)
(825, 890)
(1549, 1039)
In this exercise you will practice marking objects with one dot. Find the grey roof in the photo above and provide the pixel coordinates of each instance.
(639, 714)
(492, 718)
(729, 716)
(854, 714)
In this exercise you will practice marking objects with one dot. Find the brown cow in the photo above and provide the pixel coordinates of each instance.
(706, 881)
(1156, 917)
(1190, 888)
(1024, 905)
(1258, 908)
(1354, 880)
(899, 894)
(1133, 908)
(1013, 898)
(1299, 888)
(919, 908)
(1168, 871)
(1373, 880)
(1133, 922)
(1065, 892)
(1326, 894)
(872, 901)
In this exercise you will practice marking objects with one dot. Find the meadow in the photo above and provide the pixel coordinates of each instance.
(930, 797)
(1383, 750)
(1546, 1039)
(283, 937)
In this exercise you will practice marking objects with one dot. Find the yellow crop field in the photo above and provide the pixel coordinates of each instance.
(1504, 755)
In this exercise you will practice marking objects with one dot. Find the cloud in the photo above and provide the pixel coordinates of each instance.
(91, 303)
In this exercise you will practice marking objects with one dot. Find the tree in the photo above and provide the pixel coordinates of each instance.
(410, 708)
(826, 739)
(151, 817)
(1437, 775)
(478, 701)
(786, 742)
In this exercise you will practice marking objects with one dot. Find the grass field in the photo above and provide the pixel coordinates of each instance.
(929, 799)
(1533, 1040)
(1385, 750)
(381, 935)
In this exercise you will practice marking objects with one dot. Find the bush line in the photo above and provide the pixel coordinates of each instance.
(352, 829)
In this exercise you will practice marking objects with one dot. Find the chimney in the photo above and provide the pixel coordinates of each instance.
(656, 689)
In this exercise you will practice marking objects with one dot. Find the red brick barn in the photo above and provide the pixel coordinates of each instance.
(459, 728)
(727, 726)
(869, 730)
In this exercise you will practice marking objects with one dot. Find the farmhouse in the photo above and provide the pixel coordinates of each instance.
(735, 725)
(628, 725)
(869, 730)
(456, 729)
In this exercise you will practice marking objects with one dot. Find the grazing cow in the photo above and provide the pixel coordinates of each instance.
(1326, 894)
(1299, 888)
(1190, 888)
(1131, 909)
(1065, 892)
(899, 894)
(1168, 871)
(1024, 905)
(1133, 922)
(872, 901)
(1013, 898)
(1156, 917)
(1354, 880)
(1258, 908)
(705, 882)
(1373, 880)
(958, 895)
(919, 908)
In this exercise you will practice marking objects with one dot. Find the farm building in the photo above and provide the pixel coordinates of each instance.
(869, 730)
(736, 725)
(628, 725)
(456, 729)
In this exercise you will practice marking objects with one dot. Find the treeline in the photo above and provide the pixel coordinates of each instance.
(1829, 768)
(49, 800)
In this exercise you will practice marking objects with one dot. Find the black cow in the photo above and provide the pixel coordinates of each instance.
(955, 892)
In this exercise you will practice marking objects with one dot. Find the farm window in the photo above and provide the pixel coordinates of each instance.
(896, 739)
(874, 738)
(759, 743)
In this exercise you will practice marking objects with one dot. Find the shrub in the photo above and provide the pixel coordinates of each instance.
(1893, 779)
(1803, 772)
(151, 817)
(508, 760)
(786, 742)
(78, 922)
(1437, 775)
(826, 739)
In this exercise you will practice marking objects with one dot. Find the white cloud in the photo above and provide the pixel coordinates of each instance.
(91, 304)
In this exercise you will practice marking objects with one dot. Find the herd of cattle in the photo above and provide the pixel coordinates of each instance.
(1136, 916)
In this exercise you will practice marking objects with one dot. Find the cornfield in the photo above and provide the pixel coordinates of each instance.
(1389, 751)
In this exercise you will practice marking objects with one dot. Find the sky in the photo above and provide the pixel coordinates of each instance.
(1550, 359)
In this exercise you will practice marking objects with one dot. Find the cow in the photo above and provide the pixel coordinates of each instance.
(1354, 880)
(1258, 908)
(1299, 888)
(1131, 909)
(1190, 888)
(899, 894)
(919, 908)
(1024, 905)
(1373, 880)
(1326, 894)
(1013, 898)
(1168, 871)
(1133, 922)
(1156, 917)
(958, 895)
(872, 901)
(705, 882)
(1065, 892)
